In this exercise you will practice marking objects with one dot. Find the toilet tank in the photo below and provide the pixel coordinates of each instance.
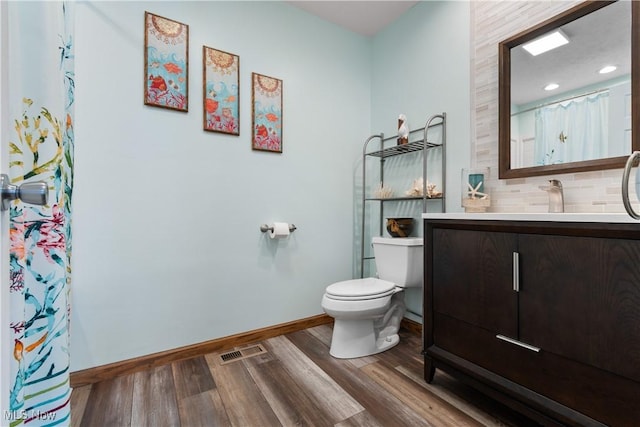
(399, 260)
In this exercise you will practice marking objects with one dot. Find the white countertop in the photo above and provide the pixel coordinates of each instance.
(555, 217)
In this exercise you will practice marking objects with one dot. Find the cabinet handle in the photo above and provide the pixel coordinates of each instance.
(516, 271)
(518, 343)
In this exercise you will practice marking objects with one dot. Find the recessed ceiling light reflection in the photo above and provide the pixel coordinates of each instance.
(546, 43)
(607, 69)
(551, 86)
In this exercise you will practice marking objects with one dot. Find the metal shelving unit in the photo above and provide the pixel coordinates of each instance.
(425, 146)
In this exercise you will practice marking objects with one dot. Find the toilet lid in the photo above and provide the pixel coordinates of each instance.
(367, 288)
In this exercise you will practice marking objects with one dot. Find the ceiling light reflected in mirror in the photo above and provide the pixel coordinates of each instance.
(546, 43)
(608, 69)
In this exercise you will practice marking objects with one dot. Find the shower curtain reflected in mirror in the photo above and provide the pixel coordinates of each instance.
(572, 131)
(40, 138)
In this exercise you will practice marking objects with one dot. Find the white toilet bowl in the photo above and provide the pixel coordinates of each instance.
(368, 311)
(367, 315)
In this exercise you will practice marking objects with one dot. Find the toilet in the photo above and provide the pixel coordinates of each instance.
(368, 311)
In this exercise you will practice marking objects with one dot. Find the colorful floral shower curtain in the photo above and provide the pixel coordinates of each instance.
(41, 88)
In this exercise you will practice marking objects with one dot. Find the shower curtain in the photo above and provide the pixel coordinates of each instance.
(573, 131)
(41, 89)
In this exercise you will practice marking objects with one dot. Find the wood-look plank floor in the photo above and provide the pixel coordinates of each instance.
(294, 383)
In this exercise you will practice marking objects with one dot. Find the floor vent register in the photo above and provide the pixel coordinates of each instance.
(243, 353)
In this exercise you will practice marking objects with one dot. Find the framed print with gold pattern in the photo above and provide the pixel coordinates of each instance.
(266, 113)
(166, 63)
(221, 91)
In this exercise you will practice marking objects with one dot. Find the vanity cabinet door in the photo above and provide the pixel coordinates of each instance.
(572, 324)
(580, 299)
(580, 304)
(472, 278)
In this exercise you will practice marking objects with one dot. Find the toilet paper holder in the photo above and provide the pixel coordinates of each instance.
(264, 228)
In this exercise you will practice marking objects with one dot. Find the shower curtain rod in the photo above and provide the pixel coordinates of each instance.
(559, 101)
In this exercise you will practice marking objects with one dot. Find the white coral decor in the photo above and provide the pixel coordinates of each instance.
(382, 192)
(417, 189)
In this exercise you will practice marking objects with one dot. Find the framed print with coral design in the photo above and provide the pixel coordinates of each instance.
(266, 100)
(221, 84)
(166, 63)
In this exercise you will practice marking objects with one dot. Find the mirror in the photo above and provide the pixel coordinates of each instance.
(586, 123)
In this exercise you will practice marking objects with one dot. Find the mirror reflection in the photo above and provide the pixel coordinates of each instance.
(565, 105)
(570, 103)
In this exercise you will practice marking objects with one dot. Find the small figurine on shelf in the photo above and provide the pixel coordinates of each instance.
(403, 130)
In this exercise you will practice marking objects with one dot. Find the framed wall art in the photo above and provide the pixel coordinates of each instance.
(266, 112)
(166, 63)
(221, 90)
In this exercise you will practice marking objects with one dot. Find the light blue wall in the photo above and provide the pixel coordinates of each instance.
(421, 67)
(167, 250)
(167, 247)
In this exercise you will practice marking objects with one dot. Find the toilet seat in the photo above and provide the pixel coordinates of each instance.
(360, 289)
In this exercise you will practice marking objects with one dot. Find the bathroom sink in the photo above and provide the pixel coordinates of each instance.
(531, 216)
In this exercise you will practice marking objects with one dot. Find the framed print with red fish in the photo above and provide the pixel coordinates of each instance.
(166, 63)
(266, 112)
(221, 90)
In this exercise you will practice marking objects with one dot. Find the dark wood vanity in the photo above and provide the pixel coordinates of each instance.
(541, 315)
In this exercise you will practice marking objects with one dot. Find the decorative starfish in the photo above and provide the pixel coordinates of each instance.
(474, 193)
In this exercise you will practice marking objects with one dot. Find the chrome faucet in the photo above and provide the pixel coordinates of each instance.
(556, 198)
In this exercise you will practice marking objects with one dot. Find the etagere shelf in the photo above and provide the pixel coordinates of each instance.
(423, 144)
